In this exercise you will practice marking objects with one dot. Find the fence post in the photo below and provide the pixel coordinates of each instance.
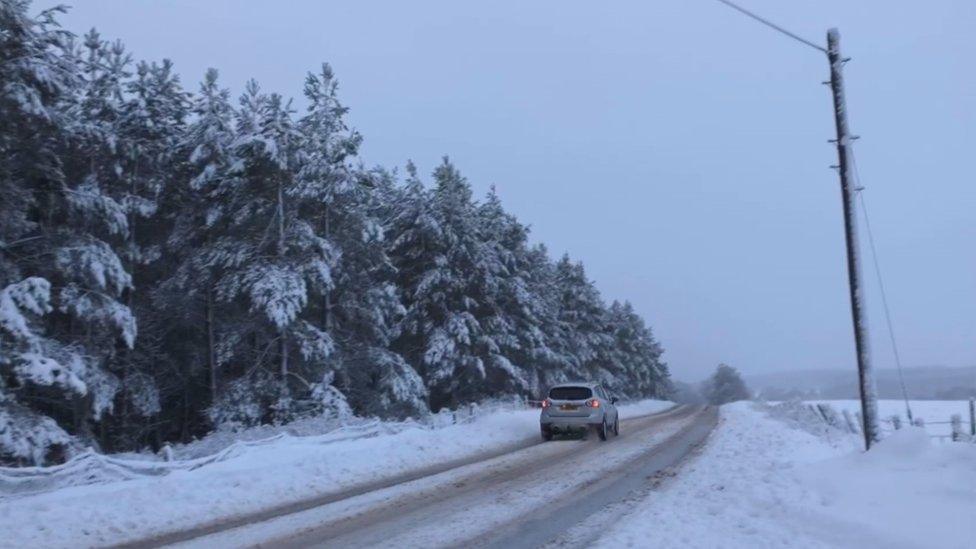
(956, 422)
(822, 413)
(851, 426)
(972, 416)
(829, 415)
(816, 411)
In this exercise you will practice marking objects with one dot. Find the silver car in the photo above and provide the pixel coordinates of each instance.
(575, 407)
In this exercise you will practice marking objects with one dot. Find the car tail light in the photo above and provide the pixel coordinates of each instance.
(546, 403)
(593, 403)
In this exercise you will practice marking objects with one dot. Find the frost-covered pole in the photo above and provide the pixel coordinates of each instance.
(869, 404)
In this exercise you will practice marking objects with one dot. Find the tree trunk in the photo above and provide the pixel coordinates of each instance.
(328, 319)
(81, 412)
(131, 264)
(185, 428)
(281, 254)
(211, 343)
(283, 350)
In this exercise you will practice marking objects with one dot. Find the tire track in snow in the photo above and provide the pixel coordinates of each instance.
(500, 501)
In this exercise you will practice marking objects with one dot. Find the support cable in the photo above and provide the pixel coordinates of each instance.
(881, 286)
(772, 25)
(859, 188)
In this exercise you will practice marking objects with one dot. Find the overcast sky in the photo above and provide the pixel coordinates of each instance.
(676, 147)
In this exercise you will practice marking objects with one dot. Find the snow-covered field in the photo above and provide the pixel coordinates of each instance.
(256, 477)
(936, 413)
(764, 481)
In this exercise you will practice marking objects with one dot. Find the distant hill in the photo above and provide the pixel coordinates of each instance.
(922, 383)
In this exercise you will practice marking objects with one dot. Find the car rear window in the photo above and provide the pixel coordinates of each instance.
(570, 393)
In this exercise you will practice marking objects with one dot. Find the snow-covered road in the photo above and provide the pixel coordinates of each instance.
(522, 498)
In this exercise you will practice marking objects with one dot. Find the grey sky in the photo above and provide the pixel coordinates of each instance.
(676, 147)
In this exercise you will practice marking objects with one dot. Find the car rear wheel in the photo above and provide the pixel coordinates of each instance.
(546, 434)
(602, 430)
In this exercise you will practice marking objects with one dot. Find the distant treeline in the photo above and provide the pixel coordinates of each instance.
(171, 262)
(921, 383)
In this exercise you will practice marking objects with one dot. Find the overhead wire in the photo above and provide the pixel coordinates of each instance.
(884, 297)
(772, 25)
(864, 209)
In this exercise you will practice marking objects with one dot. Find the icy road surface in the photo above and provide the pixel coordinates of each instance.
(524, 498)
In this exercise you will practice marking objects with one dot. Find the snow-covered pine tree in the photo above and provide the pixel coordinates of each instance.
(360, 308)
(151, 124)
(325, 178)
(186, 297)
(636, 356)
(582, 312)
(272, 259)
(123, 131)
(552, 360)
(55, 247)
(369, 310)
(437, 253)
(97, 158)
(509, 314)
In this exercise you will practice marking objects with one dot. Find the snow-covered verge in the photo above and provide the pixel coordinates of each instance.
(91, 467)
(254, 477)
(768, 480)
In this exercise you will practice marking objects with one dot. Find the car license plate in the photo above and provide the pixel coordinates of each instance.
(568, 407)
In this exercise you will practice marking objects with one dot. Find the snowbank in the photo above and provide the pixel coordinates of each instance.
(762, 482)
(935, 413)
(255, 477)
(643, 408)
(914, 490)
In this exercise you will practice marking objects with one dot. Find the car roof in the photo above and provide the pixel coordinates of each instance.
(590, 384)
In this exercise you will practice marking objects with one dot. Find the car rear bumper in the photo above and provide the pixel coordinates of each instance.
(567, 423)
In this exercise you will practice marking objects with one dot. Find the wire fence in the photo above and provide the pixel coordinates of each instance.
(960, 430)
(91, 467)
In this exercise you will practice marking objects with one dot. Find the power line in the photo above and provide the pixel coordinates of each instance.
(772, 25)
(868, 401)
(881, 286)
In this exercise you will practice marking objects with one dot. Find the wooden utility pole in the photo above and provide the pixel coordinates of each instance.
(869, 398)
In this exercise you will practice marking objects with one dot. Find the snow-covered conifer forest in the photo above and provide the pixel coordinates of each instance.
(174, 260)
